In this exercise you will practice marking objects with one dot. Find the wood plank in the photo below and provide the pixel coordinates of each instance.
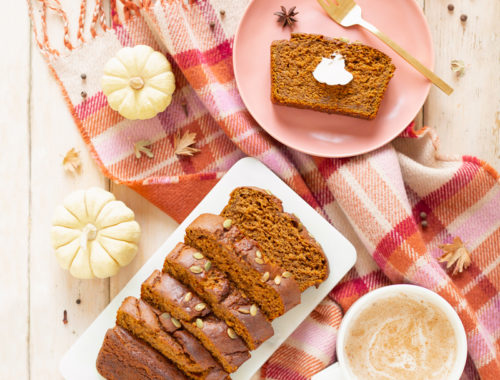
(466, 120)
(156, 227)
(14, 199)
(52, 289)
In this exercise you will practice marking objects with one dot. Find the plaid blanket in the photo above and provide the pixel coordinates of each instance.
(375, 200)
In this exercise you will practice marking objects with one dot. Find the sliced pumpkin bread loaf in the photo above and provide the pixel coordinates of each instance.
(227, 302)
(293, 84)
(170, 296)
(268, 285)
(281, 236)
(125, 357)
(158, 329)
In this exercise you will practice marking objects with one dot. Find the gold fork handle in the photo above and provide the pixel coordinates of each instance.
(409, 58)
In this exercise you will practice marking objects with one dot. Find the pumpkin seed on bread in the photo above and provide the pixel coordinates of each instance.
(161, 332)
(245, 263)
(169, 296)
(225, 300)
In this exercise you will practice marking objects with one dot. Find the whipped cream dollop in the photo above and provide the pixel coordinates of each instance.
(332, 71)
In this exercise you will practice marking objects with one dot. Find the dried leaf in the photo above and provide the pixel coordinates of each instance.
(455, 254)
(142, 146)
(458, 67)
(183, 144)
(71, 161)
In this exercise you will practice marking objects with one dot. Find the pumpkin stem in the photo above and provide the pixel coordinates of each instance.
(89, 232)
(137, 83)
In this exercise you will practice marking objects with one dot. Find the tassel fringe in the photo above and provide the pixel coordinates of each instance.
(99, 20)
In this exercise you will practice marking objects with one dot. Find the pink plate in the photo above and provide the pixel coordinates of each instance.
(318, 133)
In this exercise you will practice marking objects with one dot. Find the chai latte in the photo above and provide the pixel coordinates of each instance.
(400, 337)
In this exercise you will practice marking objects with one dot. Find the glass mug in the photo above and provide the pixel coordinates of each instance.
(343, 369)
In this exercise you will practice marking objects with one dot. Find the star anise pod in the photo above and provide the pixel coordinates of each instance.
(287, 18)
(455, 254)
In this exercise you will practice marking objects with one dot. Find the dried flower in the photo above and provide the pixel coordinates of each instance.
(71, 161)
(458, 67)
(455, 254)
(183, 144)
(142, 146)
(287, 18)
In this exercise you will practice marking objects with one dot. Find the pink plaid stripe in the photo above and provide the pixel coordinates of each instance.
(374, 199)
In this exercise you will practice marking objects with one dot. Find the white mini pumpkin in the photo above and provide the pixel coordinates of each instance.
(93, 234)
(138, 82)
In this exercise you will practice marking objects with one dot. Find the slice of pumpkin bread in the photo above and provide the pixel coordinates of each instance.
(125, 357)
(193, 347)
(281, 236)
(170, 296)
(157, 329)
(293, 84)
(162, 290)
(268, 285)
(191, 267)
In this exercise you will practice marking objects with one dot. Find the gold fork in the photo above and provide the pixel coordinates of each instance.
(347, 13)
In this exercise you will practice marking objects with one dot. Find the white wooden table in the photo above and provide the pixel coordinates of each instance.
(36, 130)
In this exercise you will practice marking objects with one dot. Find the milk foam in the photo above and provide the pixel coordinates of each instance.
(401, 338)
